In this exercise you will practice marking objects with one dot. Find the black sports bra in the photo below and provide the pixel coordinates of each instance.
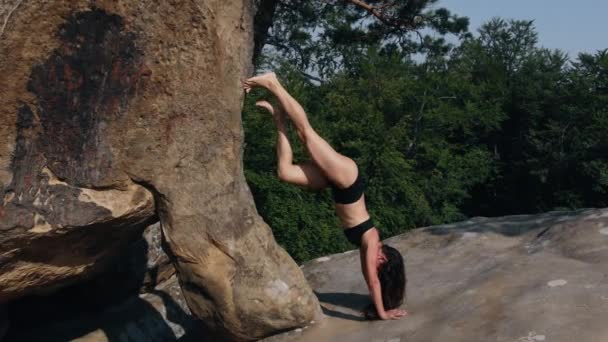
(351, 194)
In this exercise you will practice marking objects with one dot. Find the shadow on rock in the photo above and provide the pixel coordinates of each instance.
(109, 307)
(331, 303)
(508, 225)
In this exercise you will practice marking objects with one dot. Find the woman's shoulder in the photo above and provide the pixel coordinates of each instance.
(370, 238)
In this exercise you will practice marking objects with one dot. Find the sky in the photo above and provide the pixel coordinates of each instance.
(571, 26)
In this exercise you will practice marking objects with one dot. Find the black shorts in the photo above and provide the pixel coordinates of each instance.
(355, 234)
(351, 194)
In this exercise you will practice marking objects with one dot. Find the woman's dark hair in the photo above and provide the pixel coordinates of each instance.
(392, 281)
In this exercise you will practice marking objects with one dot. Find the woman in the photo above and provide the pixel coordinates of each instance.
(382, 266)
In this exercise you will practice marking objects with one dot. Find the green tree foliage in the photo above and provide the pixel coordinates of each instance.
(493, 125)
(549, 149)
(326, 35)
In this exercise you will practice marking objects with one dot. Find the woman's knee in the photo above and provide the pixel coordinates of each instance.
(282, 174)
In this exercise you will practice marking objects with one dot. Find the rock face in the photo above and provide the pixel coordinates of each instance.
(157, 316)
(158, 266)
(116, 113)
(516, 278)
(140, 267)
(137, 298)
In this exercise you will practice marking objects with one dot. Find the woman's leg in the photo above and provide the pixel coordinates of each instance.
(307, 175)
(339, 169)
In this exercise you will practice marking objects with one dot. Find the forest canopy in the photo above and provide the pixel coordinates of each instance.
(444, 123)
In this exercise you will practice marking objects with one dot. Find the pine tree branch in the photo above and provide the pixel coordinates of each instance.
(311, 77)
(378, 12)
(262, 22)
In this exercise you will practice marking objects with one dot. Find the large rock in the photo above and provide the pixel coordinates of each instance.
(516, 278)
(108, 105)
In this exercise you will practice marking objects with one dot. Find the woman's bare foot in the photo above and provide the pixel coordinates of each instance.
(266, 80)
(277, 115)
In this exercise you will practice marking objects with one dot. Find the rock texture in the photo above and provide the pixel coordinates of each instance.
(157, 316)
(141, 266)
(137, 298)
(54, 234)
(113, 112)
(511, 279)
(158, 265)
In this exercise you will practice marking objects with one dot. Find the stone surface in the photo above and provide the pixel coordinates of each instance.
(139, 268)
(65, 208)
(87, 308)
(157, 316)
(158, 265)
(518, 278)
(54, 234)
(106, 105)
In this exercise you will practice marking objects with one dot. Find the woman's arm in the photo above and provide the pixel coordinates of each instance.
(373, 283)
(369, 263)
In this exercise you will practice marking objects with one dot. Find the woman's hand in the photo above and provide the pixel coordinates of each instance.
(393, 314)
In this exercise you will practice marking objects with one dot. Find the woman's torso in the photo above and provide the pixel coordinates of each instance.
(352, 214)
